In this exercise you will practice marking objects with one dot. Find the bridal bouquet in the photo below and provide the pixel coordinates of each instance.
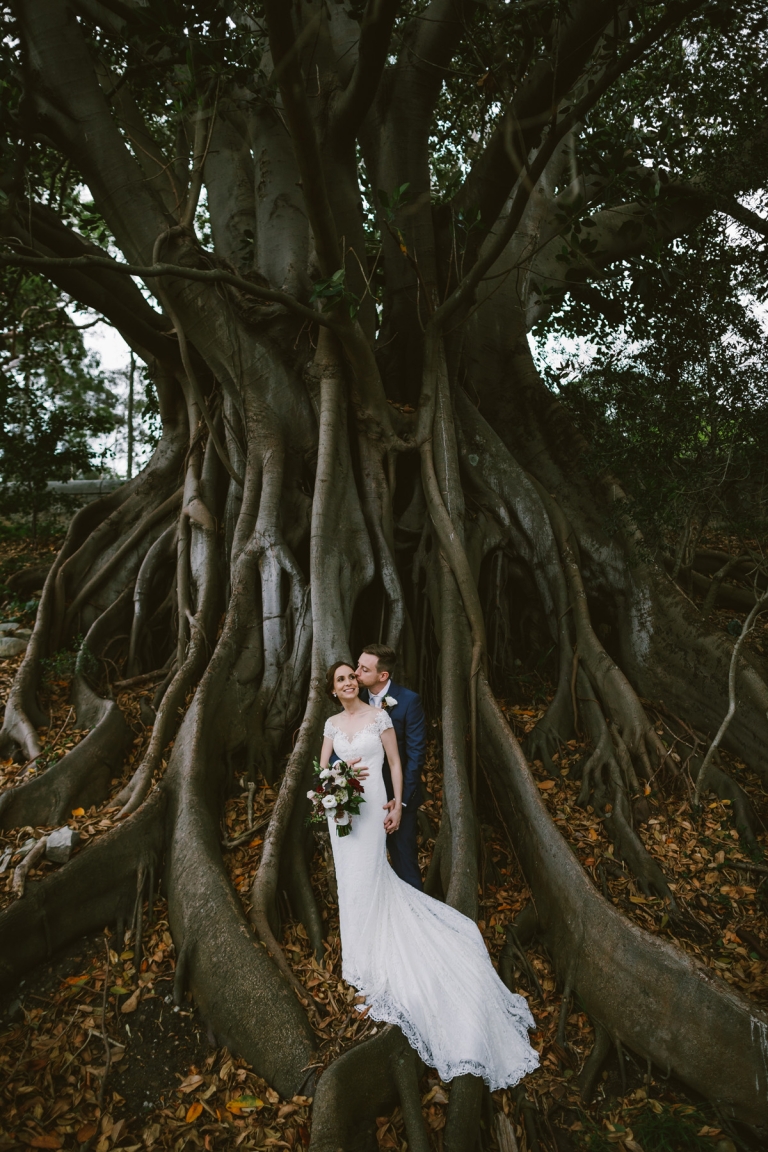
(337, 792)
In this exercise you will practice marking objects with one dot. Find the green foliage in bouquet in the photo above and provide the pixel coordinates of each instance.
(336, 792)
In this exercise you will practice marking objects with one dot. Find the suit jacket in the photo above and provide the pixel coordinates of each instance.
(407, 718)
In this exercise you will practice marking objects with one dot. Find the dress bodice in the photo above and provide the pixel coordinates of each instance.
(366, 742)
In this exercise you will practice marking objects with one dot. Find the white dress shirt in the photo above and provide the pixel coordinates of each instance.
(375, 700)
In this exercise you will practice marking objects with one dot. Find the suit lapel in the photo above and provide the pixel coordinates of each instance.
(393, 691)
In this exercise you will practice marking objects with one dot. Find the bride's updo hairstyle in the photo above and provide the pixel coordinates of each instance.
(330, 676)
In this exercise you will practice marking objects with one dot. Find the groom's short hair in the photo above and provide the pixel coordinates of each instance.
(386, 657)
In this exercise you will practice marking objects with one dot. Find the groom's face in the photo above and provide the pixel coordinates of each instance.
(367, 672)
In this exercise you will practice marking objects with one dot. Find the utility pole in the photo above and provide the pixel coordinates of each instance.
(131, 374)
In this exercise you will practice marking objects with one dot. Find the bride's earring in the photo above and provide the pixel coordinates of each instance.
(334, 694)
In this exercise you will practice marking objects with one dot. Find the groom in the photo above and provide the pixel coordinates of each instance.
(404, 707)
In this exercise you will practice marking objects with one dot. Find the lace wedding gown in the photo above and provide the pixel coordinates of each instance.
(419, 963)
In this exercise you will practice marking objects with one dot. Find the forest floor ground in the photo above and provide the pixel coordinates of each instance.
(169, 1087)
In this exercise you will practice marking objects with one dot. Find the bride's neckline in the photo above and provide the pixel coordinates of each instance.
(357, 732)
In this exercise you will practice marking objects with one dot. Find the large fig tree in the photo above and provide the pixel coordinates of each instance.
(327, 228)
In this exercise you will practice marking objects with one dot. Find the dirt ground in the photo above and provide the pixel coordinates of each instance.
(163, 1085)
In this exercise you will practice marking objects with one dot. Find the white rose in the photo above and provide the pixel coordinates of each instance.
(390, 701)
(311, 795)
(326, 772)
(343, 818)
(329, 801)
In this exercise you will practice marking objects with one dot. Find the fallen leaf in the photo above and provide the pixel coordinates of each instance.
(47, 1140)
(190, 1083)
(545, 785)
(194, 1111)
(85, 1133)
(132, 1003)
(115, 1055)
(78, 811)
(244, 1104)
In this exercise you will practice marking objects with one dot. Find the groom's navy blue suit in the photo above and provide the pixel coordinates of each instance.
(407, 718)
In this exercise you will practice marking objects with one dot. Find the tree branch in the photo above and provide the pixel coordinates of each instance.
(302, 130)
(116, 298)
(492, 176)
(620, 232)
(745, 216)
(432, 37)
(113, 22)
(148, 271)
(373, 46)
(462, 293)
(158, 170)
(307, 150)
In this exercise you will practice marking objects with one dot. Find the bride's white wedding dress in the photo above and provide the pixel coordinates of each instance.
(419, 963)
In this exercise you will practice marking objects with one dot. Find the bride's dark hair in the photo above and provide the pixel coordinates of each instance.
(331, 673)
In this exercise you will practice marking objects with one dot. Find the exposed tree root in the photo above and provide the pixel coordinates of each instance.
(605, 781)
(97, 887)
(82, 776)
(623, 706)
(719, 781)
(593, 1065)
(511, 496)
(513, 956)
(463, 1121)
(336, 515)
(126, 555)
(159, 553)
(646, 993)
(726, 788)
(26, 866)
(461, 891)
(22, 712)
(249, 1006)
(366, 1082)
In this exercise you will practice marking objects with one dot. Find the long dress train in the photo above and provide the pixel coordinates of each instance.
(419, 963)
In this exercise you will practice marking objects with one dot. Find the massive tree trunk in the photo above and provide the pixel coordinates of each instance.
(291, 513)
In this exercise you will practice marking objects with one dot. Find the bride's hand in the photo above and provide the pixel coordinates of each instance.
(363, 772)
(392, 819)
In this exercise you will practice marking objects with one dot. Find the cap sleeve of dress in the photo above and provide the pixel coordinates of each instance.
(329, 730)
(385, 721)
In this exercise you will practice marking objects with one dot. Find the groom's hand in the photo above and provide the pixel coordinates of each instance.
(392, 818)
(363, 773)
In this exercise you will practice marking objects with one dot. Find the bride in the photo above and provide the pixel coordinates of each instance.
(419, 963)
